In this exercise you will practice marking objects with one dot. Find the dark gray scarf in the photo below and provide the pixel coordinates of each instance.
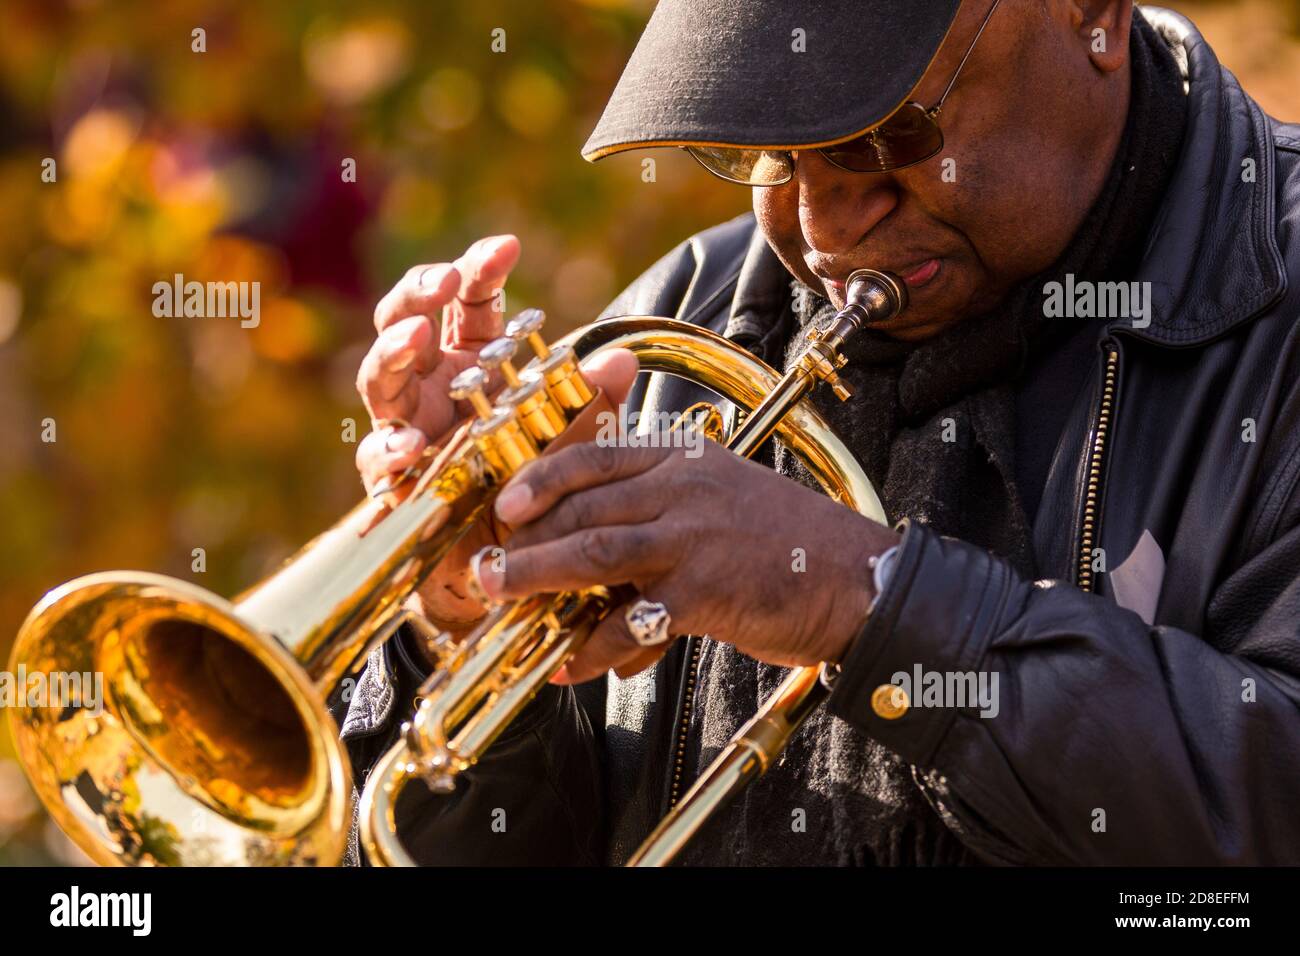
(857, 801)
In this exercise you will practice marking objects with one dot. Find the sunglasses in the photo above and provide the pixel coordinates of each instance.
(909, 136)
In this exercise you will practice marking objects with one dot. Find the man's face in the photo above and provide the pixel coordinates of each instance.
(1030, 131)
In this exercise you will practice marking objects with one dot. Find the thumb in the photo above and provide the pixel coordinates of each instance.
(614, 371)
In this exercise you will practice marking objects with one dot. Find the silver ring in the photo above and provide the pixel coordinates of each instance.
(648, 622)
(472, 583)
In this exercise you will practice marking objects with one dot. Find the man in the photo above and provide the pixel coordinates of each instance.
(1098, 485)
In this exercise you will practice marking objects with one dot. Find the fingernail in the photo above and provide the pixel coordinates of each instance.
(513, 501)
(402, 360)
(402, 440)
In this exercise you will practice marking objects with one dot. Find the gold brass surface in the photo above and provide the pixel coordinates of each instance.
(465, 705)
(214, 745)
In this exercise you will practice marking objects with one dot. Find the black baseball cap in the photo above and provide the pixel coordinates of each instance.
(739, 72)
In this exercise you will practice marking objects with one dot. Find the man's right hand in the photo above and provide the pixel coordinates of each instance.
(431, 327)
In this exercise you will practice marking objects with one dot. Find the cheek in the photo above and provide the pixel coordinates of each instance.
(1026, 214)
(777, 210)
(766, 206)
(1014, 217)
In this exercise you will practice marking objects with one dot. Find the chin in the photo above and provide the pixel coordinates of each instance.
(923, 322)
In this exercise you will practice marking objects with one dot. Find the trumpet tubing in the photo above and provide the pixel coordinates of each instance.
(215, 745)
(774, 405)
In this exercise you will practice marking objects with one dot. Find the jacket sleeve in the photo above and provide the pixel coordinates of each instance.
(1112, 742)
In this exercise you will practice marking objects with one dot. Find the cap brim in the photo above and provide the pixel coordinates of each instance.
(738, 72)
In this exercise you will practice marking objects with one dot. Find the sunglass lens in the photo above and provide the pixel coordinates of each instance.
(908, 137)
(750, 167)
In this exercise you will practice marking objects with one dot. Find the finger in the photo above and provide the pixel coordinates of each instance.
(610, 647)
(616, 554)
(388, 452)
(634, 501)
(647, 658)
(424, 290)
(476, 315)
(387, 377)
(615, 371)
(536, 488)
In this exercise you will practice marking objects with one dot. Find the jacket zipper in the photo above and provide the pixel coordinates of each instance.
(1088, 531)
(684, 725)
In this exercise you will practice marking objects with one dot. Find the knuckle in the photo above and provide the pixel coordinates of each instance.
(538, 474)
(602, 460)
(412, 275)
(573, 513)
(642, 538)
(701, 480)
(382, 309)
(371, 451)
(600, 549)
(364, 375)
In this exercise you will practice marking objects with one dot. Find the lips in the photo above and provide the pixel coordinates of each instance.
(922, 274)
(915, 277)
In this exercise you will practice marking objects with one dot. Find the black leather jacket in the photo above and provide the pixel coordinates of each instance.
(1149, 705)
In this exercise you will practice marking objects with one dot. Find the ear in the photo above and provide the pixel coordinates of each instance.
(1104, 27)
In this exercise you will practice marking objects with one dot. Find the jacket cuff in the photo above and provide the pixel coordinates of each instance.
(939, 612)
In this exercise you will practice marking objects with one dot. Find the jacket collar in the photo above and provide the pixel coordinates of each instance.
(1212, 259)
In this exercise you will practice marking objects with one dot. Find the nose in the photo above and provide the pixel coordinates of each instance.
(838, 208)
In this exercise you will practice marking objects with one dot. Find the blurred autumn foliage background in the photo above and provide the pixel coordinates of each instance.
(172, 434)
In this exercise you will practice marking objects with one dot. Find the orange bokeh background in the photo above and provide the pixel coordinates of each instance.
(171, 434)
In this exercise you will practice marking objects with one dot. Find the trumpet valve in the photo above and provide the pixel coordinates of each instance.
(540, 414)
(558, 367)
(565, 380)
(498, 354)
(527, 326)
(505, 443)
(502, 440)
(471, 386)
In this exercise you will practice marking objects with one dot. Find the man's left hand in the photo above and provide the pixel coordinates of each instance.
(731, 548)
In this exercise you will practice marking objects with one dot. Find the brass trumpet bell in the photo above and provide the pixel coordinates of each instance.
(214, 747)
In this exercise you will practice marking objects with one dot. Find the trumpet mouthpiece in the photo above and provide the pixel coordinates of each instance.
(880, 295)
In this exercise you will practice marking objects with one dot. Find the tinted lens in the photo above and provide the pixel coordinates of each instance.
(909, 136)
(749, 167)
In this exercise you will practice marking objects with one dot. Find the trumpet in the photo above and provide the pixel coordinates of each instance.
(481, 684)
(214, 745)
